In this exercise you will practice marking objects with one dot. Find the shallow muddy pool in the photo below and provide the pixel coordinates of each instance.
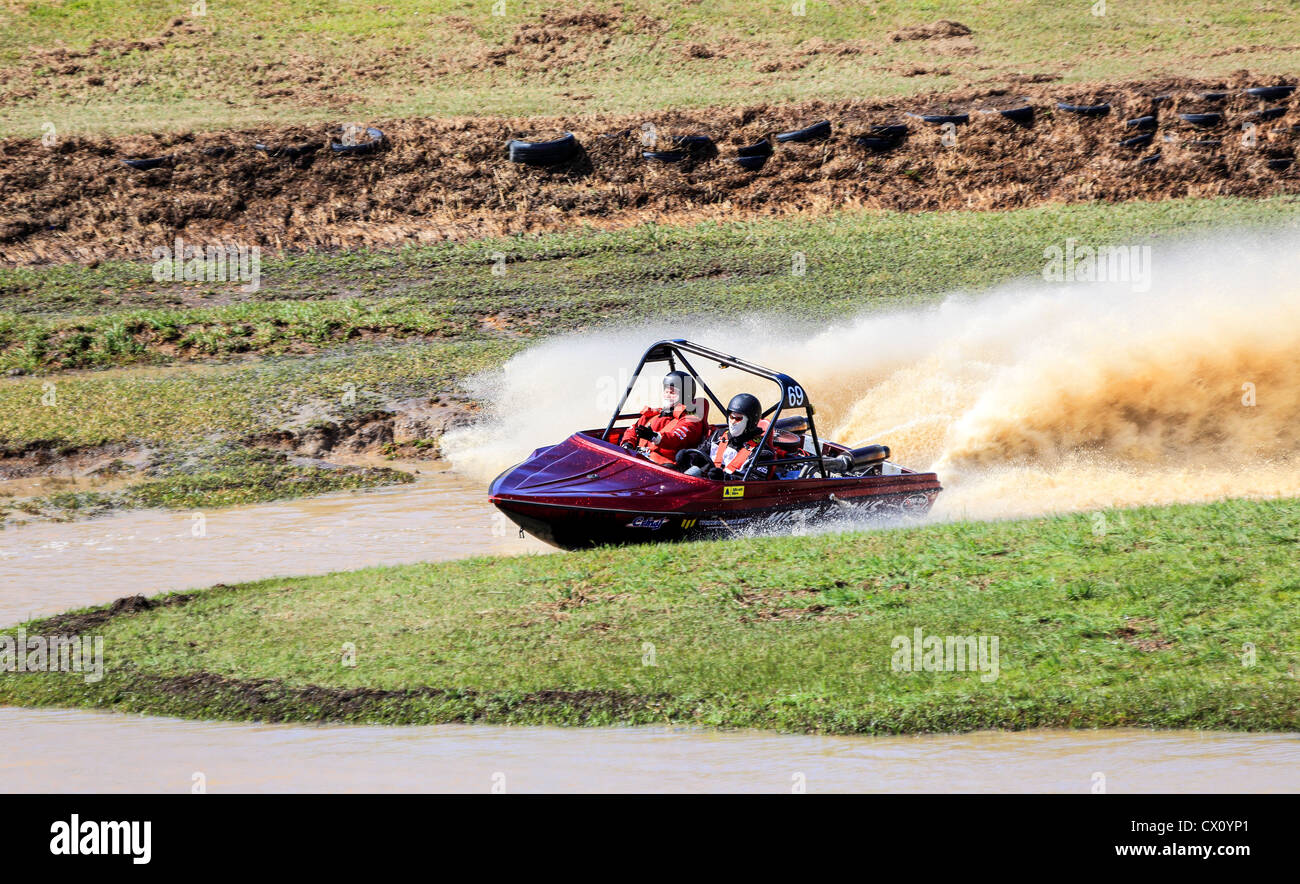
(73, 751)
(48, 567)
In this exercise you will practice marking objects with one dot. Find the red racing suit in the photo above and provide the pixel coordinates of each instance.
(676, 431)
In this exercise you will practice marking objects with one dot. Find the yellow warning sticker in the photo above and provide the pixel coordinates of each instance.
(733, 490)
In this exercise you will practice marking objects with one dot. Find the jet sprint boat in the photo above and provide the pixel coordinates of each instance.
(589, 491)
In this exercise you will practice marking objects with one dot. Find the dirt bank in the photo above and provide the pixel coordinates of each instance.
(449, 179)
(409, 428)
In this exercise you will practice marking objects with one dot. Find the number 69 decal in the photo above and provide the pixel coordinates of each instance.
(794, 396)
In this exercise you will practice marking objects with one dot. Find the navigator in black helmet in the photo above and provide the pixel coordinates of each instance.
(743, 413)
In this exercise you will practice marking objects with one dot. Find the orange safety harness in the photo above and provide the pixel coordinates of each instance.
(743, 455)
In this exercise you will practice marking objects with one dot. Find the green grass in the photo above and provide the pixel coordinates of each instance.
(249, 63)
(1146, 625)
(63, 317)
(188, 405)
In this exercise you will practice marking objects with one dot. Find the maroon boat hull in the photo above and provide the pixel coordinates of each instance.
(587, 492)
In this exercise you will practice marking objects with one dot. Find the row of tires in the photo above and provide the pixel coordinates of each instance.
(349, 143)
(888, 137)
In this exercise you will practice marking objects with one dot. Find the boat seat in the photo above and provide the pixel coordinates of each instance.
(702, 409)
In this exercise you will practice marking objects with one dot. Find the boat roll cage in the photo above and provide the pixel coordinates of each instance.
(792, 397)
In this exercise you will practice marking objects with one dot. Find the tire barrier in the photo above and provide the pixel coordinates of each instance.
(1278, 164)
(760, 148)
(290, 152)
(692, 143)
(884, 138)
(1084, 110)
(753, 157)
(940, 119)
(543, 153)
(1021, 115)
(144, 164)
(816, 132)
(1270, 93)
(1266, 113)
(896, 131)
(877, 143)
(376, 140)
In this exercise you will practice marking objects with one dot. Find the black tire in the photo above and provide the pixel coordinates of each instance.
(1270, 93)
(543, 153)
(1266, 113)
(1214, 96)
(876, 143)
(144, 164)
(692, 143)
(664, 156)
(1213, 118)
(291, 152)
(1022, 115)
(376, 141)
(940, 119)
(1278, 164)
(1157, 100)
(896, 131)
(1137, 141)
(1142, 124)
(750, 164)
(815, 132)
(760, 148)
(1149, 160)
(1084, 110)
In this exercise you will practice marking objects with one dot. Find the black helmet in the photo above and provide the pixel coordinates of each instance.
(750, 407)
(685, 385)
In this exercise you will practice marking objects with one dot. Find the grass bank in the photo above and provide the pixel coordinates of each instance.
(131, 65)
(509, 289)
(1180, 616)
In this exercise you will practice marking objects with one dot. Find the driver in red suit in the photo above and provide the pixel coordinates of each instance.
(661, 432)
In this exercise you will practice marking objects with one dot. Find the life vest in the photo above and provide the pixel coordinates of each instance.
(681, 429)
(737, 463)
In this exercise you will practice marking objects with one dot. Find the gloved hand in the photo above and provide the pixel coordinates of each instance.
(717, 474)
(630, 446)
(644, 432)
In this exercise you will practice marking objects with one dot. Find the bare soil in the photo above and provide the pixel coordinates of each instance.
(449, 179)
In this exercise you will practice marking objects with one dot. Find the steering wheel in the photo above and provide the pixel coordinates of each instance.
(696, 458)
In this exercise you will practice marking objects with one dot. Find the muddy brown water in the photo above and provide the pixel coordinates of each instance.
(163, 755)
(46, 568)
(51, 567)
